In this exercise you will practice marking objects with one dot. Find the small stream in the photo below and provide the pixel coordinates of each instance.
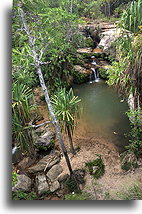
(104, 112)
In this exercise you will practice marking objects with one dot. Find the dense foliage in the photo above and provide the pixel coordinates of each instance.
(55, 37)
(125, 74)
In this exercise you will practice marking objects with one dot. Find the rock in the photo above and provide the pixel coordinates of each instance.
(54, 172)
(23, 184)
(82, 70)
(25, 163)
(95, 169)
(43, 137)
(42, 185)
(63, 177)
(46, 140)
(46, 162)
(79, 174)
(54, 186)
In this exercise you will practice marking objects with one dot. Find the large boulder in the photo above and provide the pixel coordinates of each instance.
(23, 184)
(45, 163)
(54, 172)
(42, 185)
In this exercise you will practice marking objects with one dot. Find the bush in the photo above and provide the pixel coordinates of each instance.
(135, 145)
(103, 73)
(100, 167)
(71, 184)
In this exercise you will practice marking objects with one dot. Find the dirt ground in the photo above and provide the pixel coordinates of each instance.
(114, 180)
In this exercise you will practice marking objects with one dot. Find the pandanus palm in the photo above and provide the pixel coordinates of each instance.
(21, 110)
(66, 108)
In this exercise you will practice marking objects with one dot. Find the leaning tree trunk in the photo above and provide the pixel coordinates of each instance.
(70, 142)
(44, 88)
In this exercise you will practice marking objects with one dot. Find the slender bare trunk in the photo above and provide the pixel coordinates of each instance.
(44, 88)
(70, 142)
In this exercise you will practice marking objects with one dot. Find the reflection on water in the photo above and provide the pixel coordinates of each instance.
(103, 112)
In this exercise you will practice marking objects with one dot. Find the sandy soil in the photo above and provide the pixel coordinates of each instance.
(114, 179)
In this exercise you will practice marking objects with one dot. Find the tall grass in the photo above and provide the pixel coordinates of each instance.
(131, 18)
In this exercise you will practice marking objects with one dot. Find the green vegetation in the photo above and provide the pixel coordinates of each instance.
(20, 195)
(133, 193)
(96, 167)
(72, 185)
(21, 110)
(66, 109)
(136, 132)
(131, 18)
(14, 178)
(75, 196)
(125, 74)
(103, 73)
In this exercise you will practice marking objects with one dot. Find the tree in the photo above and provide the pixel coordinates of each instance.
(65, 105)
(37, 63)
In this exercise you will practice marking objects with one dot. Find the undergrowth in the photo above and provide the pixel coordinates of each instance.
(100, 167)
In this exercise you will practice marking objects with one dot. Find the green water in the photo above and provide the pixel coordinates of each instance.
(104, 112)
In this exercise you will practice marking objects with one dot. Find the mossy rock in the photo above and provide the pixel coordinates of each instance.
(99, 167)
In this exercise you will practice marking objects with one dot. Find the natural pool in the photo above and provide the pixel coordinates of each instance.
(104, 112)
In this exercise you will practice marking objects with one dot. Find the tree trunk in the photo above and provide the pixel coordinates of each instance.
(70, 142)
(44, 88)
(71, 7)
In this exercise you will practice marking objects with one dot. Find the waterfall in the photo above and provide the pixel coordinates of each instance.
(94, 72)
(94, 77)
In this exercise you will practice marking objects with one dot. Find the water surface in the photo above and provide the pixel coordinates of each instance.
(104, 112)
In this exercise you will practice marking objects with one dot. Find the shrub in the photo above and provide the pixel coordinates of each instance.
(100, 167)
(135, 133)
(71, 184)
(103, 73)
